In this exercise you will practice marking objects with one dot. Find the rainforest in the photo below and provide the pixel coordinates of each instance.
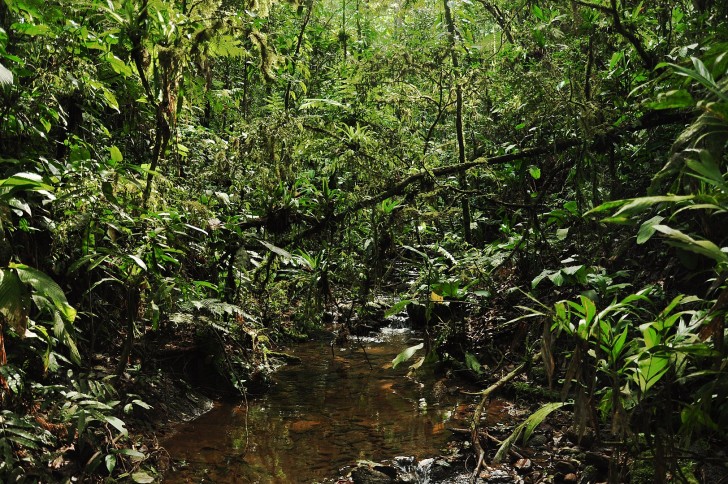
(363, 241)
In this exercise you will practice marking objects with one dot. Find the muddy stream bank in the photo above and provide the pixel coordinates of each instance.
(320, 416)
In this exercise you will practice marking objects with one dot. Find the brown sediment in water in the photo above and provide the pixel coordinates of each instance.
(320, 416)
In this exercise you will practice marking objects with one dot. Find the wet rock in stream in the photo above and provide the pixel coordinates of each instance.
(409, 470)
(370, 475)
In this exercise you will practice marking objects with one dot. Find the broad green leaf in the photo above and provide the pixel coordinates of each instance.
(45, 286)
(535, 172)
(14, 301)
(30, 29)
(650, 370)
(117, 423)
(572, 207)
(701, 75)
(650, 335)
(472, 362)
(116, 155)
(684, 241)
(537, 280)
(24, 181)
(673, 100)
(572, 270)
(406, 354)
(118, 65)
(397, 308)
(111, 100)
(618, 345)
(141, 477)
(527, 427)
(557, 278)
(673, 304)
(134, 454)
(605, 207)
(281, 252)
(138, 262)
(110, 461)
(708, 169)
(616, 57)
(647, 229)
(641, 204)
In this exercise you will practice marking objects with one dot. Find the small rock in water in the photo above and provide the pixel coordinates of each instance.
(491, 474)
(423, 470)
(368, 475)
(405, 466)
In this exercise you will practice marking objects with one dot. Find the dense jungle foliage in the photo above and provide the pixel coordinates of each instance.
(214, 177)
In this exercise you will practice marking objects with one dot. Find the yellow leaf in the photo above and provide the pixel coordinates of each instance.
(435, 297)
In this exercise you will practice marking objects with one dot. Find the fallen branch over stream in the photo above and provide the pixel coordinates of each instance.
(479, 412)
(485, 396)
(600, 143)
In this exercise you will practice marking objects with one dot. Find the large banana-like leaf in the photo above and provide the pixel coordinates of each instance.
(684, 241)
(44, 286)
(708, 132)
(14, 300)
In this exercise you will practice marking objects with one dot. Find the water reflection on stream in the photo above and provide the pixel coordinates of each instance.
(319, 416)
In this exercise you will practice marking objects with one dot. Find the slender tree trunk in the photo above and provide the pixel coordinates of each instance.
(467, 233)
(342, 34)
(132, 309)
(294, 59)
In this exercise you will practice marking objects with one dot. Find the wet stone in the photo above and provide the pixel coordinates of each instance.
(368, 475)
(565, 467)
(523, 465)
(492, 475)
(538, 441)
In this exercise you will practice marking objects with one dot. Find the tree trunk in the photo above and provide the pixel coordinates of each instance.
(462, 177)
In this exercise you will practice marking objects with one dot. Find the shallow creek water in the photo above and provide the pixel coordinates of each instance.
(318, 417)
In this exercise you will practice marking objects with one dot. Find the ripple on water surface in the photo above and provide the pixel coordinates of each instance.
(320, 416)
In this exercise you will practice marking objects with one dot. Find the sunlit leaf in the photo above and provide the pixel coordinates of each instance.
(6, 77)
(684, 241)
(650, 370)
(673, 100)
(647, 229)
(406, 354)
(142, 477)
(117, 423)
(397, 308)
(116, 155)
(526, 427)
(277, 250)
(138, 262)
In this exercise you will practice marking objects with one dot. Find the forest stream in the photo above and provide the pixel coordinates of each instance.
(320, 416)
